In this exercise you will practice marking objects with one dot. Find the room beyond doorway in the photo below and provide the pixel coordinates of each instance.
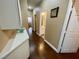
(29, 21)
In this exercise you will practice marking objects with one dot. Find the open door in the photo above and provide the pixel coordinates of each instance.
(42, 24)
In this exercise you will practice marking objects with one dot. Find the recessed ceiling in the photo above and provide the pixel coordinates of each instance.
(33, 3)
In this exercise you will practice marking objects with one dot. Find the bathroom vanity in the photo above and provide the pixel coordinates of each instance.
(16, 47)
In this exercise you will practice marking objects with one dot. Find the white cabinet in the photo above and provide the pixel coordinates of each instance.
(17, 47)
(22, 52)
(9, 14)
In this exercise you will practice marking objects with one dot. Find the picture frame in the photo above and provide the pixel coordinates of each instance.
(54, 12)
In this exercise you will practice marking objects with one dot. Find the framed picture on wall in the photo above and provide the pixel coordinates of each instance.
(54, 12)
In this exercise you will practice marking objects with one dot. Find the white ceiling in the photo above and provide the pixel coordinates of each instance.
(33, 3)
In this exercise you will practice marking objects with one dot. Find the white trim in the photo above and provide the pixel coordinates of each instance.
(20, 14)
(69, 50)
(65, 24)
(51, 46)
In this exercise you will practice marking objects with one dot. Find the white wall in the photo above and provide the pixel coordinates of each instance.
(9, 14)
(54, 25)
(49, 4)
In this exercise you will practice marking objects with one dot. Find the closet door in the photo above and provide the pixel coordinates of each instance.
(9, 14)
(71, 40)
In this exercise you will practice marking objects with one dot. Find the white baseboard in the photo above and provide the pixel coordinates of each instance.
(69, 51)
(51, 46)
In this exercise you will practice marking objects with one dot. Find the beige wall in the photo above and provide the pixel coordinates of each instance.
(30, 13)
(54, 25)
(77, 7)
(24, 11)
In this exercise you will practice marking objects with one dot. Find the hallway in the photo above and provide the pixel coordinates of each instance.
(40, 50)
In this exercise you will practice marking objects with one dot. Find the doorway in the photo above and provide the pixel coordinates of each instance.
(43, 24)
(29, 22)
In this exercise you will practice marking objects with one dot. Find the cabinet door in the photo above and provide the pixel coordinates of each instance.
(9, 14)
(21, 52)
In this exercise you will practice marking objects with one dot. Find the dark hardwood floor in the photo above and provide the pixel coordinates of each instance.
(40, 50)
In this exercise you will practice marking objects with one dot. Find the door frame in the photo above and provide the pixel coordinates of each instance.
(35, 21)
(42, 22)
